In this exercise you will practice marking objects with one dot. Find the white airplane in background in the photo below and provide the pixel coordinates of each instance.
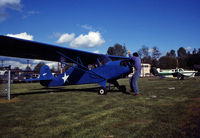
(179, 73)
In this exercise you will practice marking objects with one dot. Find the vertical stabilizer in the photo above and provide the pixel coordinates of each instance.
(45, 73)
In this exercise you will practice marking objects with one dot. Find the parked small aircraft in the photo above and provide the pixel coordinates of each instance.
(89, 67)
(179, 73)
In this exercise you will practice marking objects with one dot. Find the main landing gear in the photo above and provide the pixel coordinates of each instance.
(104, 90)
(121, 88)
(180, 76)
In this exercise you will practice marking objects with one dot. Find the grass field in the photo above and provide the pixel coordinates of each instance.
(167, 108)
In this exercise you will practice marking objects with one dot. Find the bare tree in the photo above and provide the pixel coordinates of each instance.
(155, 53)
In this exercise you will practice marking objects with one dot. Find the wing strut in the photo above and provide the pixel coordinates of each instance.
(85, 69)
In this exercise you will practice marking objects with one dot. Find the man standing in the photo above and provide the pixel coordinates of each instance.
(136, 75)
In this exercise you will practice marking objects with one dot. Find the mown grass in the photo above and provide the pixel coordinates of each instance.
(167, 108)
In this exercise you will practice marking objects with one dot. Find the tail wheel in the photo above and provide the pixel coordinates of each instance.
(102, 91)
(45, 83)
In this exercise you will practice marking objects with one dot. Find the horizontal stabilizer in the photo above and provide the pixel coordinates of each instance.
(37, 79)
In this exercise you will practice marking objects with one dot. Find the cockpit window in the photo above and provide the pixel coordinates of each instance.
(104, 59)
(180, 69)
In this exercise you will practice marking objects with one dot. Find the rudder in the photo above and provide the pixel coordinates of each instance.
(45, 73)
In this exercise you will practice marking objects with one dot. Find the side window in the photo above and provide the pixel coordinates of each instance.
(104, 59)
(124, 63)
(180, 70)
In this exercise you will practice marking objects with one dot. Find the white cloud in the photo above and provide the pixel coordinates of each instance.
(8, 4)
(30, 13)
(49, 63)
(32, 64)
(96, 51)
(21, 36)
(54, 35)
(15, 64)
(36, 61)
(87, 27)
(189, 48)
(92, 39)
(150, 50)
(65, 38)
(52, 64)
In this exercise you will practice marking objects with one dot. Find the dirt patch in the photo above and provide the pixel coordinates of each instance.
(9, 101)
(190, 124)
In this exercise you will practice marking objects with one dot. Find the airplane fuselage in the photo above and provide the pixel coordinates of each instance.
(110, 71)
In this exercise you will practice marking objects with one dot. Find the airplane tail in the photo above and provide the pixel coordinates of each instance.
(45, 76)
(45, 73)
(154, 71)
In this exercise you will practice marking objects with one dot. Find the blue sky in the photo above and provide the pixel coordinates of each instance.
(94, 25)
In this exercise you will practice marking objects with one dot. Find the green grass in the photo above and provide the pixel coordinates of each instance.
(77, 111)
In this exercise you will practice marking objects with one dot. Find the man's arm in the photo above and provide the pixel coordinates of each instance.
(129, 53)
(131, 56)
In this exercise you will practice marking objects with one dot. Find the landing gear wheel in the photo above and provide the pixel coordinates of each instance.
(122, 88)
(180, 76)
(102, 91)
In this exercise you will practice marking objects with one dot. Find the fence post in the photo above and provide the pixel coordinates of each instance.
(9, 84)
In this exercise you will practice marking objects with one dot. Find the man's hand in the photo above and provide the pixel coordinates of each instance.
(129, 52)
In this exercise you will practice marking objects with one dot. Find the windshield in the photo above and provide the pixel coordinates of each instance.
(104, 59)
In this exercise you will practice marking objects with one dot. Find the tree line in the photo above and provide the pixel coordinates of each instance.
(183, 59)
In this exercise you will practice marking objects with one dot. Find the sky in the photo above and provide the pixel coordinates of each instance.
(94, 25)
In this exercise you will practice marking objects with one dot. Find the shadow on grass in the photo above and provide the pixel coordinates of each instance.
(62, 90)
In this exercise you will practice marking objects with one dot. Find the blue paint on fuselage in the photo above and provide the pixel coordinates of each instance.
(111, 70)
(59, 81)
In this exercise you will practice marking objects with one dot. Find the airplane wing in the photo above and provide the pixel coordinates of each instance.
(117, 57)
(14, 47)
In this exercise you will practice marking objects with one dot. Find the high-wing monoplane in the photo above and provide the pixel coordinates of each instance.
(179, 73)
(89, 67)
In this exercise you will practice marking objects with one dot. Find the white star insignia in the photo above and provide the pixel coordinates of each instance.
(65, 77)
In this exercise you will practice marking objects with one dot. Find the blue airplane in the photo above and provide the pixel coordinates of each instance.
(89, 67)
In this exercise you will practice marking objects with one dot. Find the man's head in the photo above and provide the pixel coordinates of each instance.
(135, 54)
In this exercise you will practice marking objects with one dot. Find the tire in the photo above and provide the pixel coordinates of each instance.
(180, 76)
(102, 91)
